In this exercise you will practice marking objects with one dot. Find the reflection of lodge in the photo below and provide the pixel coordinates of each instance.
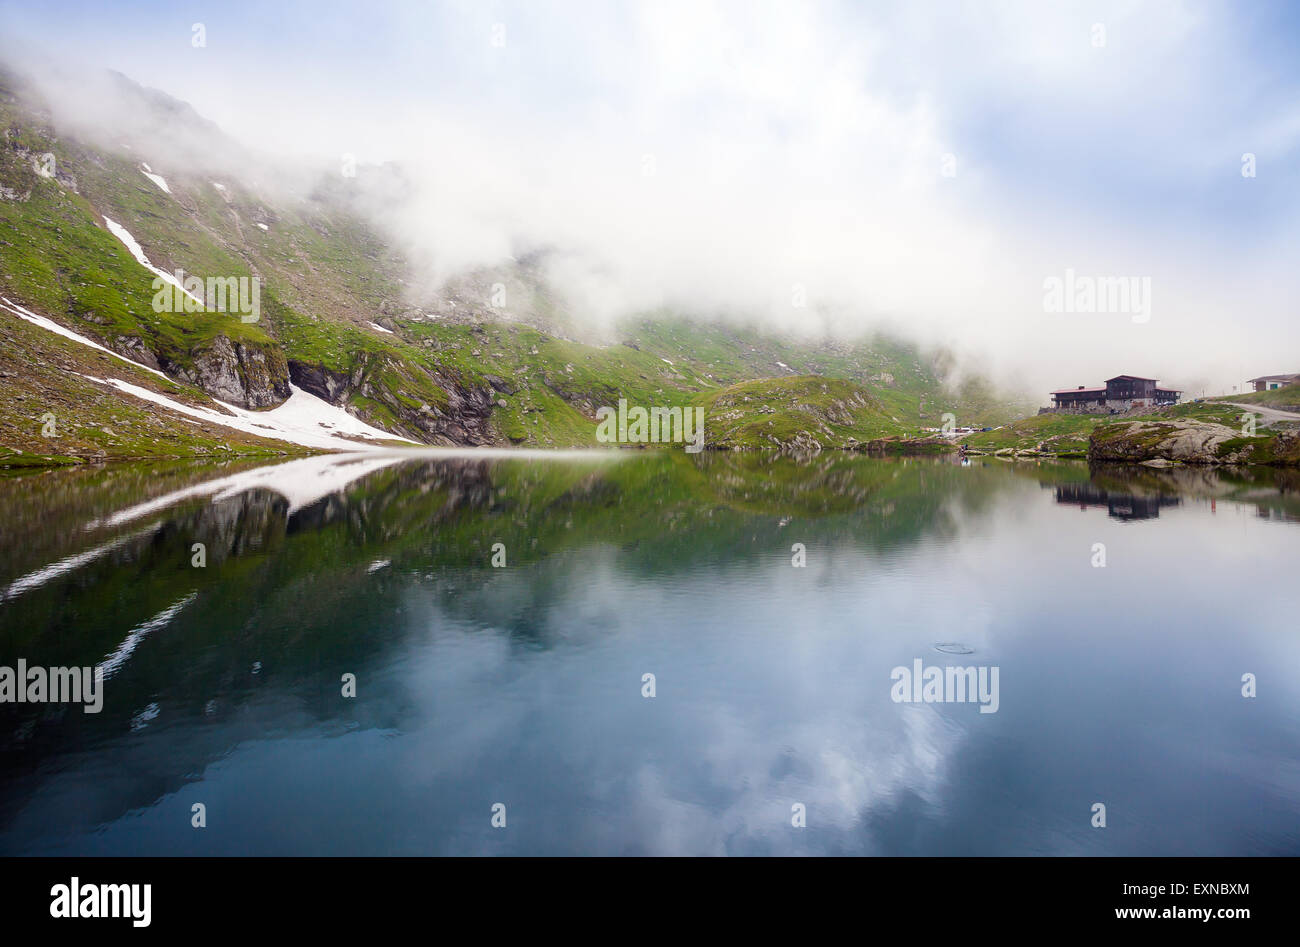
(1282, 516)
(1122, 506)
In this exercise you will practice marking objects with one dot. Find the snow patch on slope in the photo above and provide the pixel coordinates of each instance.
(379, 328)
(155, 178)
(303, 419)
(133, 246)
(52, 326)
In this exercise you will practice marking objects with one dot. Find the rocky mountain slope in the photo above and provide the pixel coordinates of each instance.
(90, 220)
(1192, 442)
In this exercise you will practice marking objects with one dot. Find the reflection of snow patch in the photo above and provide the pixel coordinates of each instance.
(112, 662)
(52, 326)
(301, 482)
(379, 564)
(34, 580)
(137, 251)
(141, 720)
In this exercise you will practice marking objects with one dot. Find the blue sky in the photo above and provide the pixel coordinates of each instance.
(798, 143)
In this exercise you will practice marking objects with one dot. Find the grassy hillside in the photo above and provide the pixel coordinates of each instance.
(1286, 398)
(42, 380)
(807, 410)
(1064, 434)
(59, 260)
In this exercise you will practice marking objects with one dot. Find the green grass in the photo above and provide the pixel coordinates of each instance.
(1064, 434)
(45, 376)
(1208, 411)
(773, 412)
(1286, 398)
(58, 258)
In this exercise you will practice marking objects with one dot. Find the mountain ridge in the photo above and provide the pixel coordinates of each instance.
(341, 318)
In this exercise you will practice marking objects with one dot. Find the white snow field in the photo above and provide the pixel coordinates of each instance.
(302, 419)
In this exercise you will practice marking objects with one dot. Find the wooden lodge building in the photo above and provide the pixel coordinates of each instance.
(1270, 382)
(1119, 394)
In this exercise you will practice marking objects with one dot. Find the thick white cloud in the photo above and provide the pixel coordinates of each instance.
(726, 156)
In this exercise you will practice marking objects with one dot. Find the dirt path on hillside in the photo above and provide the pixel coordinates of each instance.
(1267, 413)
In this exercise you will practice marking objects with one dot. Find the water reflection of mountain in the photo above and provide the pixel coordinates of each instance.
(334, 564)
(1121, 506)
(312, 567)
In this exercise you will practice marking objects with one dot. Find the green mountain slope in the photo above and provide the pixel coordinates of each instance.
(340, 315)
(806, 411)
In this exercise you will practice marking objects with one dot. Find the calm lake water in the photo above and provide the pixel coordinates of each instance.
(523, 685)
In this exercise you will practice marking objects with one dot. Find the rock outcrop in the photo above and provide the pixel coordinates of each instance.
(464, 420)
(461, 416)
(320, 381)
(1191, 442)
(244, 375)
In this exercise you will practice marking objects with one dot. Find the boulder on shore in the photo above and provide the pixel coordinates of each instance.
(1191, 442)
